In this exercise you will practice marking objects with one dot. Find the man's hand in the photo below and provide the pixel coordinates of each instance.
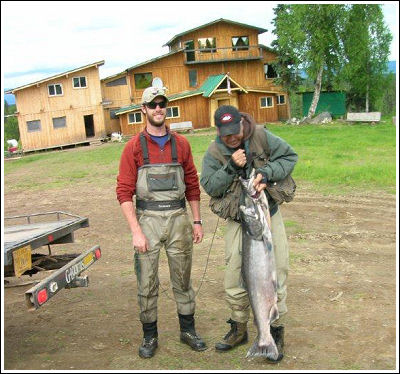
(257, 183)
(197, 233)
(239, 158)
(139, 241)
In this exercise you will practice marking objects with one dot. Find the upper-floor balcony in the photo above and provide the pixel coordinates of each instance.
(207, 55)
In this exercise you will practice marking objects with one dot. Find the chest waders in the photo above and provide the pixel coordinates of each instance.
(162, 215)
(227, 206)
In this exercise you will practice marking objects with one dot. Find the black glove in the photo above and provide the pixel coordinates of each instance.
(264, 176)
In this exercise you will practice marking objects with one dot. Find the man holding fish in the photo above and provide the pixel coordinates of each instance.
(236, 169)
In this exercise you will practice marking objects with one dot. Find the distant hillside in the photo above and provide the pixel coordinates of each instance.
(391, 68)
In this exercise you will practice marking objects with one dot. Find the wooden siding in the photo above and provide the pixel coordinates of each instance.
(74, 132)
(111, 124)
(118, 96)
(170, 69)
(175, 74)
(250, 103)
(223, 33)
(34, 103)
(283, 110)
(195, 109)
(248, 73)
(128, 129)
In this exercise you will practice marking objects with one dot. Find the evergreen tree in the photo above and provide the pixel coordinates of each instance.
(6, 109)
(11, 129)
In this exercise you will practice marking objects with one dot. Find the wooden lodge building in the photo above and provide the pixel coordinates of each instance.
(61, 110)
(219, 63)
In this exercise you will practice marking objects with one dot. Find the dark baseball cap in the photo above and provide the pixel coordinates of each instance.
(227, 119)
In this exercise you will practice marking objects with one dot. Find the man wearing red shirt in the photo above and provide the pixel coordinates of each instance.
(157, 166)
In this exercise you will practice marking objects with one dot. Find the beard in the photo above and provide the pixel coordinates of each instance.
(156, 123)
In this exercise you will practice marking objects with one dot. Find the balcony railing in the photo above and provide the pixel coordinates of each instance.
(204, 55)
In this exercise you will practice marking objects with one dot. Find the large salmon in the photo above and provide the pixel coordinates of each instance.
(258, 269)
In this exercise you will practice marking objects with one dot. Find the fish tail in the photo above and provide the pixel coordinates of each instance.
(269, 351)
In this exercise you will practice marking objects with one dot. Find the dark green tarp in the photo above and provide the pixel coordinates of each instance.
(333, 102)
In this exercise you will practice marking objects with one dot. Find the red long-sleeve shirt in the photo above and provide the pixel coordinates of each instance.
(132, 159)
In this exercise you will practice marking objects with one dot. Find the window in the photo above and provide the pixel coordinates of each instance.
(266, 102)
(33, 125)
(207, 44)
(135, 117)
(240, 43)
(281, 99)
(79, 82)
(172, 112)
(55, 89)
(117, 82)
(192, 78)
(112, 113)
(143, 80)
(269, 71)
(59, 122)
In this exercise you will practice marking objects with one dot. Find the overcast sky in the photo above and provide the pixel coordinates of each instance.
(41, 39)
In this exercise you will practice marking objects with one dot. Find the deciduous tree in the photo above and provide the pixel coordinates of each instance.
(366, 41)
(308, 38)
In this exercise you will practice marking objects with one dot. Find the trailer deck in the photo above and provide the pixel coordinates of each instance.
(25, 233)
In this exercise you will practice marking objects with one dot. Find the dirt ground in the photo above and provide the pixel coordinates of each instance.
(341, 291)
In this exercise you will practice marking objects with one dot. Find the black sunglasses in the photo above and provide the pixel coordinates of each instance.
(153, 104)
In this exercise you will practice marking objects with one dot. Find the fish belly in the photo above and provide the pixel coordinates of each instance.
(260, 278)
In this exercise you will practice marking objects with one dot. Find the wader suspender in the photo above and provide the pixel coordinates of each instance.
(143, 143)
(159, 205)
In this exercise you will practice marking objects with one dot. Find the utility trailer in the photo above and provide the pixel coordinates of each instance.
(26, 233)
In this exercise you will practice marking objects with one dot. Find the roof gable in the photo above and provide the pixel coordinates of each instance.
(95, 64)
(212, 83)
(259, 29)
(153, 60)
(207, 89)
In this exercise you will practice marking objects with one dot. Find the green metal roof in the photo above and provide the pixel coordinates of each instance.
(259, 29)
(183, 94)
(126, 109)
(211, 83)
(206, 89)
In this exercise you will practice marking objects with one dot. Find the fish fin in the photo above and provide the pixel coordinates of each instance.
(275, 285)
(269, 351)
(273, 314)
(267, 243)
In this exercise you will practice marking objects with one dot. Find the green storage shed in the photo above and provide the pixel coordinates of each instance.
(333, 102)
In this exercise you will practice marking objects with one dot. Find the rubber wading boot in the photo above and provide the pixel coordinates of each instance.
(236, 336)
(188, 333)
(150, 340)
(277, 333)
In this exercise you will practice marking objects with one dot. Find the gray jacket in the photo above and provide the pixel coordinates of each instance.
(216, 177)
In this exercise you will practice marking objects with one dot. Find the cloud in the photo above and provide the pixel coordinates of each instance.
(160, 27)
(40, 37)
(38, 72)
